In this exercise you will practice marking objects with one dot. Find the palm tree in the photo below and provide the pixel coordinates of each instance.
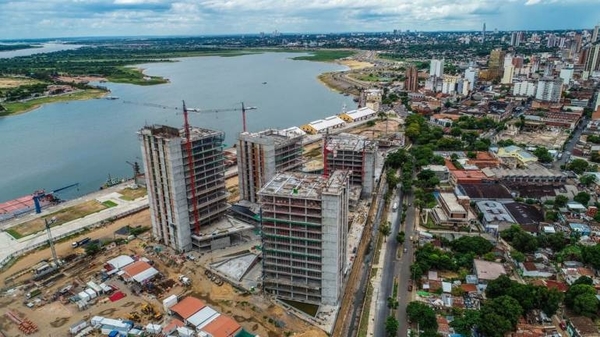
(385, 229)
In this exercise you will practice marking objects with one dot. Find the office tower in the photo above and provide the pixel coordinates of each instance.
(471, 76)
(595, 34)
(551, 41)
(436, 68)
(495, 64)
(261, 155)
(449, 84)
(355, 153)
(524, 88)
(304, 221)
(516, 38)
(592, 60)
(508, 59)
(509, 71)
(412, 79)
(576, 43)
(518, 61)
(549, 89)
(178, 211)
(483, 33)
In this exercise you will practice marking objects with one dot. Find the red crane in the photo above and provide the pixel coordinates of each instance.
(188, 143)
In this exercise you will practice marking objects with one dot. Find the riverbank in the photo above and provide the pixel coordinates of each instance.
(17, 108)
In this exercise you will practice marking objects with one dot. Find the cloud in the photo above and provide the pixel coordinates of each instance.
(57, 18)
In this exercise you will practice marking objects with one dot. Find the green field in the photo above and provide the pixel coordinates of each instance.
(326, 55)
(109, 203)
(14, 108)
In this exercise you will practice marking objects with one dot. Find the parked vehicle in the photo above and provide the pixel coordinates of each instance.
(80, 242)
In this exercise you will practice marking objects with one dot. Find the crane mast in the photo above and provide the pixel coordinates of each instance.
(188, 147)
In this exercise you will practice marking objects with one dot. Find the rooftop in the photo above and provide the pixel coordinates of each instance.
(487, 270)
(169, 132)
(350, 142)
(187, 307)
(136, 268)
(304, 185)
(322, 124)
(359, 113)
(523, 213)
(222, 326)
(278, 137)
(532, 170)
(494, 211)
(485, 191)
(452, 202)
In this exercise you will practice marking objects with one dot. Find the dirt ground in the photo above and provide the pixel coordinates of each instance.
(62, 216)
(81, 79)
(354, 65)
(255, 313)
(14, 82)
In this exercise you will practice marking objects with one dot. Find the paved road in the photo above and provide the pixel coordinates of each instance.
(389, 271)
(568, 148)
(403, 267)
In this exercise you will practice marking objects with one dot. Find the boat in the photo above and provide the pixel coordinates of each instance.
(110, 181)
(112, 98)
(264, 82)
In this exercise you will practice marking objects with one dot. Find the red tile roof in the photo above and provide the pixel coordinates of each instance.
(187, 307)
(222, 326)
(469, 288)
(136, 268)
(174, 324)
(560, 286)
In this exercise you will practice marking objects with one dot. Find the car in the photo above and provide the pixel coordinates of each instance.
(405, 250)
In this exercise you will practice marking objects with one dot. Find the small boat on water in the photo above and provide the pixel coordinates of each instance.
(264, 82)
(112, 98)
(112, 182)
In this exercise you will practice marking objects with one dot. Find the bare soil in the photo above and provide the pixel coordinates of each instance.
(62, 216)
(132, 194)
(14, 82)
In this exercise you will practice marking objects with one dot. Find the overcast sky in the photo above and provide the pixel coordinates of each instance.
(73, 18)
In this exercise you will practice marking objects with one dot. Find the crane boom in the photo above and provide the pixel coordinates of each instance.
(38, 196)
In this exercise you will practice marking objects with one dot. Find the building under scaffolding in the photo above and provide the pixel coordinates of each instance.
(354, 153)
(304, 219)
(169, 182)
(263, 154)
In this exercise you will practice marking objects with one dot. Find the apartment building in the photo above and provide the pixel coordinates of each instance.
(170, 182)
(304, 221)
(262, 154)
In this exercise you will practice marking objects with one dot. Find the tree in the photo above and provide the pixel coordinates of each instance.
(576, 291)
(586, 304)
(385, 230)
(498, 287)
(464, 324)
(391, 326)
(517, 256)
(578, 166)
(560, 201)
(582, 198)
(400, 237)
(392, 303)
(422, 314)
(591, 255)
(587, 179)
(92, 248)
(475, 244)
(543, 155)
(456, 131)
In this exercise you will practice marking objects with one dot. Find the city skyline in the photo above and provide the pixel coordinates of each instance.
(76, 18)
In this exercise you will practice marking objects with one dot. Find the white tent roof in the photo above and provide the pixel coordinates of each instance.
(359, 113)
(203, 316)
(120, 261)
(323, 124)
(145, 275)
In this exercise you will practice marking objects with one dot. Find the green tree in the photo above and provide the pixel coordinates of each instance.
(543, 155)
(560, 201)
(464, 324)
(591, 255)
(456, 131)
(582, 198)
(578, 166)
(576, 291)
(475, 244)
(422, 314)
(587, 179)
(400, 237)
(385, 230)
(586, 304)
(92, 249)
(391, 326)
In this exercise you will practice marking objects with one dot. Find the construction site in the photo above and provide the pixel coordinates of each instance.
(122, 270)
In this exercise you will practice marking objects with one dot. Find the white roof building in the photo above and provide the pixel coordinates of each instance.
(120, 261)
(322, 125)
(203, 317)
(358, 114)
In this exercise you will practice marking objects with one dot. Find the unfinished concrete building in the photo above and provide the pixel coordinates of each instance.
(263, 154)
(354, 153)
(304, 217)
(169, 182)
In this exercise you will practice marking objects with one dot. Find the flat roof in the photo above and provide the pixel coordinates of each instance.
(523, 213)
(322, 124)
(120, 261)
(452, 202)
(494, 211)
(205, 315)
(465, 174)
(222, 326)
(532, 170)
(169, 132)
(487, 270)
(145, 275)
(359, 113)
(187, 307)
(278, 137)
(304, 185)
(350, 142)
(485, 191)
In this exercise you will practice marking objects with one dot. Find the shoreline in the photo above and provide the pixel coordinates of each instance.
(83, 96)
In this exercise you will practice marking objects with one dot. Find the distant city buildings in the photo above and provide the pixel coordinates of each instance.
(436, 68)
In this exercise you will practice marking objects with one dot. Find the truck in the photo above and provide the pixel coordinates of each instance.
(80, 242)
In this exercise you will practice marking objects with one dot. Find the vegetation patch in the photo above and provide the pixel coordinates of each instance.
(63, 216)
(325, 55)
(130, 194)
(364, 317)
(14, 108)
(134, 76)
(109, 203)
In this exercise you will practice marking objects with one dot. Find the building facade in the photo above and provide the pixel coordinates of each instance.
(304, 221)
(169, 180)
(549, 89)
(412, 79)
(261, 155)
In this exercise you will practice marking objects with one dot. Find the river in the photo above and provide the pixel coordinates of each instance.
(84, 141)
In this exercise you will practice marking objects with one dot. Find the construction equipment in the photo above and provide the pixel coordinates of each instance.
(188, 145)
(25, 325)
(134, 316)
(42, 194)
(149, 310)
(136, 168)
(50, 240)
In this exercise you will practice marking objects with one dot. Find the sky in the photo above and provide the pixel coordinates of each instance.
(23, 19)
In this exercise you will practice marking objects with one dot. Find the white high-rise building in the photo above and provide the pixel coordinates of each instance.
(471, 76)
(567, 75)
(304, 234)
(524, 88)
(449, 83)
(549, 89)
(172, 189)
(509, 72)
(436, 68)
(508, 59)
(595, 34)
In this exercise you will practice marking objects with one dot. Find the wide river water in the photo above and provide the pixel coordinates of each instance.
(84, 141)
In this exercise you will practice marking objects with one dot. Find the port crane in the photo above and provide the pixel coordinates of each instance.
(42, 194)
(188, 142)
(136, 168)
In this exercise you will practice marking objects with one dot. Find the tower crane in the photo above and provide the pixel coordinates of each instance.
(42, 194)
(188, 143)
(136, 168)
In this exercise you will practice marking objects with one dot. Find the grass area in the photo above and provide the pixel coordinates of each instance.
(136, 76)
(15, 108)
(326, 55)
(366, 77)
(364, 318)
(109, 204)
(431, 225)
(63, 216)
(14, 82)
(130, 194)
